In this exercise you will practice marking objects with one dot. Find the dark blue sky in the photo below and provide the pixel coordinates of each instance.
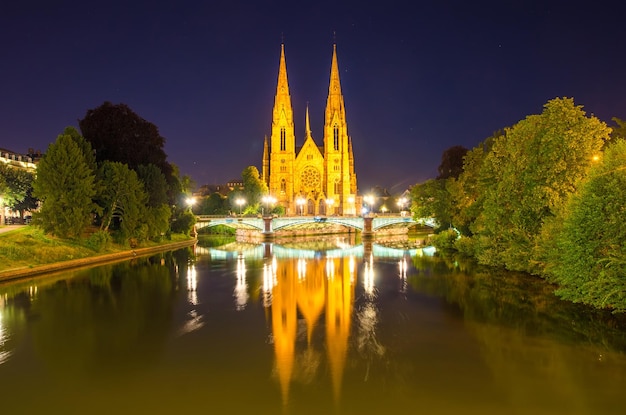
(417, 78)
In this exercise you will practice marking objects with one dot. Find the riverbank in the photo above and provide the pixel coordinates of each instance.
(24, 241)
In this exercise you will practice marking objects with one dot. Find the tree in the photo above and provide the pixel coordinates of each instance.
(253, 187)
(16, 189)
(588, 261)
(534, 168)
(214, 204)
(157, 213)
(451, 162)
(116, 133)
(154, 184)
(122, 199)
(619, 130)
(432, 200)
(65, 184)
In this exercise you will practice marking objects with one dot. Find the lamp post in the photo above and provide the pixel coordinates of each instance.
(267, 201)
(300, 202)
(369, 199)
(240, 202)
(401, 203)
(329, 205)
(190, 202)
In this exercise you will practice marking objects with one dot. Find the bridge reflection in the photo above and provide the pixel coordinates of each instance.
(234, 250)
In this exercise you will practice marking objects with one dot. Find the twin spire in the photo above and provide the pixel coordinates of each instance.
(335, 98)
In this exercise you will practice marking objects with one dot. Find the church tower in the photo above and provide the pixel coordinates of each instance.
(310, 180)
(282, 142)
(340, 178)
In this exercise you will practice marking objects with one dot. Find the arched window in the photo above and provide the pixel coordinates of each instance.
(336, 138)
(337, 187)
(283, 139)
(283, 186)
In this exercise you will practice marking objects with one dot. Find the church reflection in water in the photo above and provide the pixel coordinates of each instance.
(322, 291)
(310, 293)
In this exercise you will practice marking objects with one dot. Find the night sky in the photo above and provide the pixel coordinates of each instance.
(417, 78)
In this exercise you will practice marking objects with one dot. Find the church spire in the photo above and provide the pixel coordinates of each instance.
(307, 124)
(334, 86)
(283, 86)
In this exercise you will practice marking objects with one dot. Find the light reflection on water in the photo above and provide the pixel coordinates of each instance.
(336, 327)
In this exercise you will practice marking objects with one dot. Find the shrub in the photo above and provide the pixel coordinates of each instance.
(98, 240)
(445, 240)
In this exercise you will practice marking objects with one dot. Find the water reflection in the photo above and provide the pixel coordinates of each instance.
(329, 327)
(314, 287)
(4, 336)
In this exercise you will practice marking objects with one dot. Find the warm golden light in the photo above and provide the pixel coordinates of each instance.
(240, 202)
(241, 287)
(192, 285)
(300, 202)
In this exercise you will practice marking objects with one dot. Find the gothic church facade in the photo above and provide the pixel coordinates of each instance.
(311, 179)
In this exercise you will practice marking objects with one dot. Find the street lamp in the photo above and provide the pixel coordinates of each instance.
(369, 199)
(240, 201)
(268, 200)
(329, 205)
(401, 202)
(300, 202)
(384, 209)
(190, 202)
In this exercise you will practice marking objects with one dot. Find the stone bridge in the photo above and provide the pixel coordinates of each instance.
(368, 225)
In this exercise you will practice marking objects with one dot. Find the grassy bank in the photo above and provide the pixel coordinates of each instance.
(29, 247)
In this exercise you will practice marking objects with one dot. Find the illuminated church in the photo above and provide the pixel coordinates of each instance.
(311, 179)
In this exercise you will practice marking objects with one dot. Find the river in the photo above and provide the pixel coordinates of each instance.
(307, 327)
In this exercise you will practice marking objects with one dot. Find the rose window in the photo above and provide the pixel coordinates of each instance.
(311, 179)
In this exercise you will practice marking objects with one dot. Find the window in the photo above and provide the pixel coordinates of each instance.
(283, 139)
(336, 138)
(337, 187)
(283, 186)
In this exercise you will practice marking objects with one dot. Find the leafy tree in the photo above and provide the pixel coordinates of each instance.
(116, 133)
(122, 199)
(467, 190)
(619, 130)
(534, 168)
(588, 261)
(451, 162)
(214, 204)
(253, 188)
(432, 200)
(65, 184)
(154, 184)
(16, 189)
(157, 213)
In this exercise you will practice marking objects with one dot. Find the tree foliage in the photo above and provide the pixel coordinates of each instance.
(253, 187)
(116, 133)
(122, 199)
(589, 261)
(65, 184)
(533, 169)
(16, 187)
(432, 200)
(451, 162)
(214, 204)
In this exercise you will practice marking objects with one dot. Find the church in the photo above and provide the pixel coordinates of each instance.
(310, 179)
